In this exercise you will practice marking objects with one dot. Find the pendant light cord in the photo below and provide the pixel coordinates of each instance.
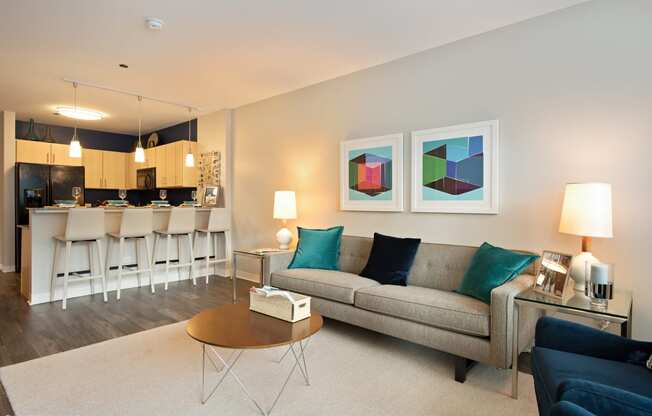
(74, 85)
(140, 118)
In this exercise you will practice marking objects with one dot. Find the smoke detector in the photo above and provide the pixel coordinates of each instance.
(154, 23)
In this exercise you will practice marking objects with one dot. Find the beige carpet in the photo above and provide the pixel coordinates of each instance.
(353, 372)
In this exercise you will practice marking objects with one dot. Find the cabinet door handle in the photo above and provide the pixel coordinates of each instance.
(52, 157)
(47, 158)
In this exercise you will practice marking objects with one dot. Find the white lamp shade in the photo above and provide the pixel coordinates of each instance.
(75, 150)
(139, 156)
(587, 210)
(190, 160)
(285, 205)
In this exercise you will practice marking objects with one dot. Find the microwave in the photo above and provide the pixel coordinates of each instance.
(146, 178)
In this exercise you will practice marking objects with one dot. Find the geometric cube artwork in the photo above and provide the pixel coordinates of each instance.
(453, 166)
(370, 174)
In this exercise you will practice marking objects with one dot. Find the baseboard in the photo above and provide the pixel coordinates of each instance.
(7, 269)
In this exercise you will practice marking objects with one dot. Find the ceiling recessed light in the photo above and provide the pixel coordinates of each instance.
(79, 113)
(123, 66)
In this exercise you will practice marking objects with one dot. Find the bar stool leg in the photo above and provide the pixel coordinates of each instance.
(138, 268)
(101, 267)
(66, 270)
(151, 265)
(107, 267)
(178, 238)
(192, 259)
(121, 250)
(167, 260)
(91, 266)
(208, 254)
(53, 280)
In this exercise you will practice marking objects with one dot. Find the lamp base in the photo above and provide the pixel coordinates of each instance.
(578, 270)
(284, 238)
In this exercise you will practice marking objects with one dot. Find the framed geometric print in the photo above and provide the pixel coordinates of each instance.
(455, 169)
(371, 174)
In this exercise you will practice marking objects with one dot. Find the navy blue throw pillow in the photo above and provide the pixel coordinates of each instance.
(391, 259)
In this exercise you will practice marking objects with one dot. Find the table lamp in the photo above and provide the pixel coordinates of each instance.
(586, 212)
(285, 208)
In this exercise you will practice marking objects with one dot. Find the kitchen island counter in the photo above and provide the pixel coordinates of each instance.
(38, 253)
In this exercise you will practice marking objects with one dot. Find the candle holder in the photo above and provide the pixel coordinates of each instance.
(601, 284)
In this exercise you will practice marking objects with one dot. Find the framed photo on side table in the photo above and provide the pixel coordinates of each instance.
(371, 174)
(552, 277)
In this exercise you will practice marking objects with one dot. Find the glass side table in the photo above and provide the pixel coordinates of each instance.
(262, 255)
(618, 311)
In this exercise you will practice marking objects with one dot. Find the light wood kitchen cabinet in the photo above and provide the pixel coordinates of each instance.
(104, 169)
(171, 170)
(150, 159)
(93, 173)
(114, 166)
(59, 156)
(30, 151)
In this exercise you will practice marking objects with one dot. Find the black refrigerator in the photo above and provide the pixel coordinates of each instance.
(40, 185)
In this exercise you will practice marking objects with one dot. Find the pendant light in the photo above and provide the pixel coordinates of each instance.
(139, 156)
(75, 149)
(190, 158)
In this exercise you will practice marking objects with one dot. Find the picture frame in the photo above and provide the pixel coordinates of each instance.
(553, 276)
(455, 169)
(211, 195)
(371, 173)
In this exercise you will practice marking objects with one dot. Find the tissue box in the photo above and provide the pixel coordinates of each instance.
(281, 308)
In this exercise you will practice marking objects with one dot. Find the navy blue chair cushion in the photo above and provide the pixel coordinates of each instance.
(553, 367)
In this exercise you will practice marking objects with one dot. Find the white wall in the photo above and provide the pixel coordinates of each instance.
(7, 217)
(573, 93)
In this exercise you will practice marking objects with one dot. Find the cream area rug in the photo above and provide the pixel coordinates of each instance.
(352, 372)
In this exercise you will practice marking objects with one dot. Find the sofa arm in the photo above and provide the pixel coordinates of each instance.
(565, 408)
(502, 319)
(602, 399)
(562, 335)
(275, 263)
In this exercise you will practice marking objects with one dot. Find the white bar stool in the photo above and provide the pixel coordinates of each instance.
(218, 222)
(136, 225)
(84, 225)
(180, 224)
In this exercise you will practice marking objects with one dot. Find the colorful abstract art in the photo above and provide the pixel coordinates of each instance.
(371, 173)
(453, 167)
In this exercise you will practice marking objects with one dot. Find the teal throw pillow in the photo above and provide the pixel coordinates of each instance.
(491, 267)
(317, 249)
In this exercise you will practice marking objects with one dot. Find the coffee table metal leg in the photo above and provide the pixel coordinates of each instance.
(228, 369)
(305, 345)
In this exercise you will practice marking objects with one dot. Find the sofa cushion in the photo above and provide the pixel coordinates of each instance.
(491, 267)
(552, 367)
(438, 308)
(391, 259)
(317, 249)
(327, 284)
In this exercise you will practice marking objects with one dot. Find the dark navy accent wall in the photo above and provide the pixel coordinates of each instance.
(90, 139)
(176, 133)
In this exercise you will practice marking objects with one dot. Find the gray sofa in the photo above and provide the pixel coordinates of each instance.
(427, 311)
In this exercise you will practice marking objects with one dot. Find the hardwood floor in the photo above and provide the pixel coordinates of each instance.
(28, 332)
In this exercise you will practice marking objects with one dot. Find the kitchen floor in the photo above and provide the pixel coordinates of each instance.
(31, 332)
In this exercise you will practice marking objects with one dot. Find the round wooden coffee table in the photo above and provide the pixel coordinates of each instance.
(235, 327)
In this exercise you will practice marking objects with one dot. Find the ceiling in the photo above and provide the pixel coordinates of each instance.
(215, 54)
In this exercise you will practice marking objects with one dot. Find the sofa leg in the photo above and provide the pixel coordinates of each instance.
(462, 365)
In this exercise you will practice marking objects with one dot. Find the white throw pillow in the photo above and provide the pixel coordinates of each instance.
(649, 363)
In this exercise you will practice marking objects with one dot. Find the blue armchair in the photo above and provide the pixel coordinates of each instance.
(581, 371)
